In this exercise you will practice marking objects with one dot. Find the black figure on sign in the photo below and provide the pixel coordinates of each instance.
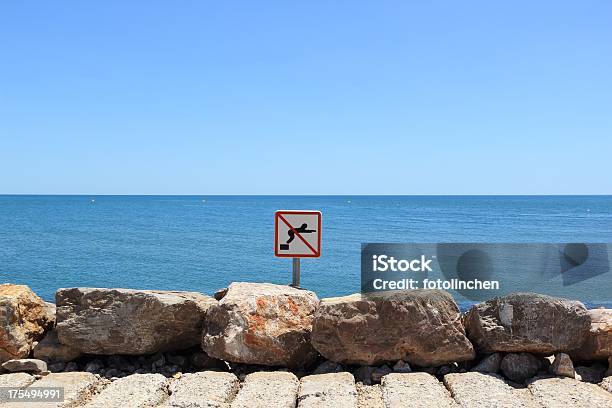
(303, 229)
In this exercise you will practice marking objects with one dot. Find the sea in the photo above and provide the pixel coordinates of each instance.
(203, 243)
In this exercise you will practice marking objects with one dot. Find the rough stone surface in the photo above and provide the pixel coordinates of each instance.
(422, 327)
(328, 367)
(267, 390)
(527, 322)
(415, 390)
(13, 381)
(592, 374)
(31, 365)
(606, 384)
(379, 373)
(262, 323)
(369, 396)
(489, 364)
(598, 342)
(328, 390)
(134, 391)
(567, 392)
(520, 366)
(204, 389)
(126, 321)
(49, 348)
(563, 366)
(402, 367)
(78, 388)
(480, 390)
(24, 317)
(363, 374)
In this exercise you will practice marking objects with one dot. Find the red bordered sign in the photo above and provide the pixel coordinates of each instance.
(297, 234)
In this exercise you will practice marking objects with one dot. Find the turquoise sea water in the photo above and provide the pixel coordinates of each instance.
(202, 243)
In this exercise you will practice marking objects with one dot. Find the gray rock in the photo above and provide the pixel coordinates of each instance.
(71, 366)
(262, 323)
(94, 366)
(78, 387)
(447, 369)
(176, 360)
(379, 373)
(204, 389)
(527, 322)
(606, 384)
(519, 367)
(267, 389)
(24, 318)
(134, 391)
(31, 365)
(328, 390)
(563, 366)
(401, 367)
(201, 360)
(126, 321)
(363, 374)
(593, 374)
(489, 364)
(49, 348)
(369, 396)
(415, 390)
(328, 367)
(57, 367)
(422, 327)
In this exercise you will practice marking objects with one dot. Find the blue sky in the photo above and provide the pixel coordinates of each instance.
(317, 97)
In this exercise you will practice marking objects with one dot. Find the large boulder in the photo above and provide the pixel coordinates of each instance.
(262, 323)
(527, 322)
(598, 342)
(50, 349)
(422, 327)
(24, 317)
(126, 321)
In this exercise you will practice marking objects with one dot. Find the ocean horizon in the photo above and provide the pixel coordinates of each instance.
(204, 242)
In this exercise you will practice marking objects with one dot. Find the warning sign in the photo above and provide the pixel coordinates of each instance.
(297, 234)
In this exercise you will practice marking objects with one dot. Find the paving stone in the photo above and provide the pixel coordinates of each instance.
(78, 388)
(133, 391)
(328, 390)
(203, 389)
(606, 384)
(369, 396)
(415, 390)
(568, 392)
(14, 380)
(480, 390)
(267, 390)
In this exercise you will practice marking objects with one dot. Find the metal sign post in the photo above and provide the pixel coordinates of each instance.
(297, 234)
(296, 273)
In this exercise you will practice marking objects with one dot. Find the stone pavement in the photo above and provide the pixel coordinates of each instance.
(284, 390)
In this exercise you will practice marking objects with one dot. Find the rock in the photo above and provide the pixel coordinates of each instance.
(363, 374)
(489, 364)
(415, 390)
(49, 348)
(327, 390)
(201, 360)
(563, 366)
(94, 366)
(379, 373)
(205, 389)
(593, 374)
(369, 396)
(527, 322)
(77, 387)
(519, 367)
(566, 392)
(609, 372)
(24, 318)
(598, 342)
(481, 390)
(327, 367)
(176, 360)
(220, 294)
(30, 365)
(447, 369)
(113, 372)
(401, 367)
(606, 384)
(15, 380)
(262, 323)
(126, 321)
(421, 327)
(267, 389)
(71, 366)
(134, 391)
(57, 367)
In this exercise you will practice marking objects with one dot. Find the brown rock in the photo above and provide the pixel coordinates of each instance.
(126, 321)
(521, 366)
(262, 323)
(527, 322)
(421, 327)
(598, 341)
(24, 317)
(25, 365)
(563, 366)
(49, 348)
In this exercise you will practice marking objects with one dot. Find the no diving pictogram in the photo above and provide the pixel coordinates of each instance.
(297, 234)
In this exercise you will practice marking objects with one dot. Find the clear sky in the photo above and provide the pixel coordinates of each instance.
(308, 97)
